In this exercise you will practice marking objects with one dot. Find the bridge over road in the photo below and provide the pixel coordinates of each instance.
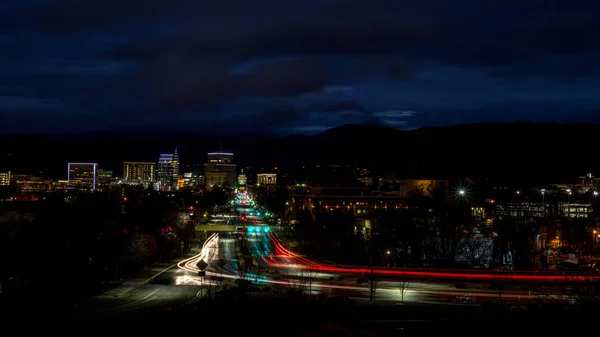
(217, 228)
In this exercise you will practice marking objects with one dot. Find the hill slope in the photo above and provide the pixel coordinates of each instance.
(524, 151)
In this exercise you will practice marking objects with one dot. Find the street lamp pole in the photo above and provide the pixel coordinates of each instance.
(569, 201)
(544, 201)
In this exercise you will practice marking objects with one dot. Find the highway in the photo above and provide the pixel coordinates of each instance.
(283, 269)
(172, 286)
(332, 284)
(421, 284)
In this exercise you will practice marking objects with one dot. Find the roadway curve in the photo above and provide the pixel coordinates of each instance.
(328, 282)
(284, 258)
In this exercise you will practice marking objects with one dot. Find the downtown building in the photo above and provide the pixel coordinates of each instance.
(82, 176)
(139, 173)
(242, 182)
(220, 170)
(5, 178)
(168, 172)
(266, 179)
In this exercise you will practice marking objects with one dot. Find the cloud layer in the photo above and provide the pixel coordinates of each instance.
(278, 67)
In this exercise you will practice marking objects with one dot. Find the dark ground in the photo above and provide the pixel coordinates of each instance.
(256, 316)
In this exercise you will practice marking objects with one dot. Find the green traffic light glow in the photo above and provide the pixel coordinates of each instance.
(255, 229)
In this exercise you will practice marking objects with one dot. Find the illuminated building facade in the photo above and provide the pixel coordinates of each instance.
(26, 183)
(409, 187)
(139, 173)
(577, 210)
(357, 201)
(104, 178)
(5, 178)
(362, 206)
(242, 181)
(193, 179)
(266, 179)
(82, 176)
(168, 171)
(219, 170)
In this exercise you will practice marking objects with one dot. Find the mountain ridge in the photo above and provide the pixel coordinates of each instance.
(523, 150)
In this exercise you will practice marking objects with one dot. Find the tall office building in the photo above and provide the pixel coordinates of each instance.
(82, 176)
(193, 179)
(5, 178)
(220, 170)
(104, 178)
(139, 173)
(168, 171)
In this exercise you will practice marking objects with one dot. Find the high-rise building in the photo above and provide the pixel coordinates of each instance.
(139, 173)
(82, 176)
(266, 179)
(104, 178)
(193, 179)
(220, 170)
(5, 178)
(168, 171)
(26, 183)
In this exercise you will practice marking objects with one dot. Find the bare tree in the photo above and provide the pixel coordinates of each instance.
(373, 285)
(475, 251)
(296, 283)
(141, 248)
(403, 286)
(309, 276)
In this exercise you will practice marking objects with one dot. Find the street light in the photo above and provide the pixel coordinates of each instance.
(543, 201)
(569, 201)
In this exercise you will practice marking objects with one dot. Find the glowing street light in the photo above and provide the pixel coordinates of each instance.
(461, 192)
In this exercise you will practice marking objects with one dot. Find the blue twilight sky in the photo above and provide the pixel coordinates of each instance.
(281, 67)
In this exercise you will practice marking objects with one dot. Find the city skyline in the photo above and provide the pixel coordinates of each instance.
(281, 67)
(379, 167)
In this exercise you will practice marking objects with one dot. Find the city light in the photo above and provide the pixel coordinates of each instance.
(258, 229)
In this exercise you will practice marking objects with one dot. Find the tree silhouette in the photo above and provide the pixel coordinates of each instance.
(403, 286)
(217, 196)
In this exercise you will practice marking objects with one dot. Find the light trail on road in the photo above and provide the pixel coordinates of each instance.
(295, 261)
(286, 259)
(298, 279)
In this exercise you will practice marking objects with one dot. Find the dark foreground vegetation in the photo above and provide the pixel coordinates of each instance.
(299, 316)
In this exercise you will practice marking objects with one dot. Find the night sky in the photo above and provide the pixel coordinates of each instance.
(282, 67)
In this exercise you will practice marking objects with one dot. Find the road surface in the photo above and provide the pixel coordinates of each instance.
(282, 269)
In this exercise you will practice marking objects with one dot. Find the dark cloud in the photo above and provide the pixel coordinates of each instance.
(147, 62)
(278, 117)
(569, 35)
(335, 106)
(191, 85)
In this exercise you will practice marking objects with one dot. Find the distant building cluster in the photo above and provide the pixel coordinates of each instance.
(165, 174)
(560, 217)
